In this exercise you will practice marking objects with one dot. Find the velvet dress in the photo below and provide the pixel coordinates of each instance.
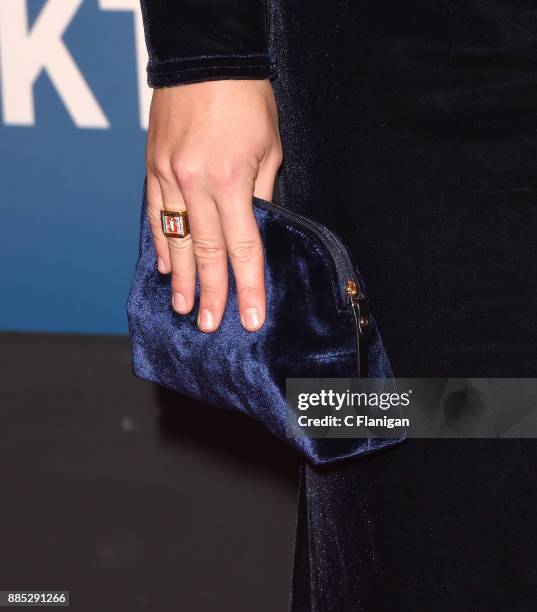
(409, 129)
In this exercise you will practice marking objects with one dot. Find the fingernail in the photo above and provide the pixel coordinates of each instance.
(206, 320)
(251, 318)
(160, 265)
(179, 302)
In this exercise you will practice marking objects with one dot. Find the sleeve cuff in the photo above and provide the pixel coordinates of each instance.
(210, 68)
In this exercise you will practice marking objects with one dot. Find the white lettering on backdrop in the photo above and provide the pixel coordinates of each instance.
(26, 52)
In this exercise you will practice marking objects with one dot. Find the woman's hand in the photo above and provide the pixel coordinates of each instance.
(210, 147)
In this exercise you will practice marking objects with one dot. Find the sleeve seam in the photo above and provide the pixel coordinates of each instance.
(171, 73)
(219, 77)
(188, 58)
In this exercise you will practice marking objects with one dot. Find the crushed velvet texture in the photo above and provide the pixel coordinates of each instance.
(199, 40)
(310, 332)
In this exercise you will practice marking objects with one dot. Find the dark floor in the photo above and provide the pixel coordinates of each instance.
(130, 498)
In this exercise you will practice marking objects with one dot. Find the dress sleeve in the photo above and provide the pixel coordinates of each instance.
(200, 40)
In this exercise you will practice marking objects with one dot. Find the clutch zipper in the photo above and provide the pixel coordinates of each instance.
(351, 291)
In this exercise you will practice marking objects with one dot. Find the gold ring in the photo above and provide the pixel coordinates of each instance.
(175, 223)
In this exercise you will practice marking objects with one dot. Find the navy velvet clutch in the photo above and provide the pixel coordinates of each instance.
(317, 325)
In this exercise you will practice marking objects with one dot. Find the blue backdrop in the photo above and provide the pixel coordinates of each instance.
(70, 196)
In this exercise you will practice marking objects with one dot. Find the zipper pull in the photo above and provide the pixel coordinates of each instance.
(360, 309)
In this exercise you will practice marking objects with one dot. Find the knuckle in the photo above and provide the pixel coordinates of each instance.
(187, 171)
(153, 214)
(248, 293)
(212, 294)
(180, 245)
(161, 167)
(206, 250)
(226, 176)
(159, 241)
(245, 251)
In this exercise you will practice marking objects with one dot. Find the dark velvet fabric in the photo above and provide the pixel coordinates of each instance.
(310, 332)
(201, 40)
(410, 129)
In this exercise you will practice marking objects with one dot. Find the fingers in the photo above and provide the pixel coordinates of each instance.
(222, 228)
(154, 206)
(180, 251)
(183, 270)
(218, 199)
(246, 253)
(209, 249)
